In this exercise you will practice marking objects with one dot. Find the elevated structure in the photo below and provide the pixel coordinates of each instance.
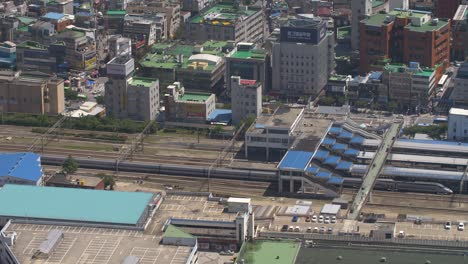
(373, 171)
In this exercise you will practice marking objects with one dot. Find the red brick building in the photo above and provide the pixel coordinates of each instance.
(446, 8)
(403, 36)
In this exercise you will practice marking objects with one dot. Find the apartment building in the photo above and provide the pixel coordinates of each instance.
(246, 98)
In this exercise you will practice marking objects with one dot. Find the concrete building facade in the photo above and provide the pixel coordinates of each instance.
(303, 58)
(460, 34)
(460, 88)
(171, 9)
(246, 98)
(359, 10)
(457, 124)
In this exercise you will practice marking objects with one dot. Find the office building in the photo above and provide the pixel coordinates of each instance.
(7, 55)
(119, 46)
(224, 22)
(195, 6)
(446, 8)
(457, 124)
(80, 49)
(139, 28)
(34, 93)
(60, 6)
(246, 98)
(20, 168)
(128, 96)
(183, 106)
(59, 20)
(460, 34)
(403, 36)
(32, 56)
(248, 63)
(361, 9)
(8, 26)
(460, 86)
(302, 58)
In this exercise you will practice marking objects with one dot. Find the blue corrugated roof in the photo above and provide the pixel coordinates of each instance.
(324, 175)
(220, 115)
(345, 134)
(375, 75)
(52, 15)
(344, 165)
(321, 154)
(23, 165)
(351, 152)
(312, 169)
(357, 140)
(332, 160)
(340, 147)
(335, 180)
(296, 160)
(328, 141)
(335, 130)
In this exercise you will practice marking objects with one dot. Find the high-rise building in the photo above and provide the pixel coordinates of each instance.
(35, 93)
(403, 36)
(361, 9)
(246, 98)
(446, 8)
(302, 58)
(248, 63)
(127, 96)
(460, 34)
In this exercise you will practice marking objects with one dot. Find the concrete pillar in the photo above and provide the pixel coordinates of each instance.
(280, 183)
(291, 185)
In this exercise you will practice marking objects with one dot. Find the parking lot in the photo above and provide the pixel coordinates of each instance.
(280, 221)
(432, 231)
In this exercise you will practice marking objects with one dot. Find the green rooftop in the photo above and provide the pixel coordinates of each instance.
(31, 45)
(223, 14)
(26, 20)
(343, 32)
(140, 81)
(336, 77)
(173, 231)
(249, 54)
(269, 252)
(73, 204)
(428, 26)
(194, 97)
(116, 13)
(425, 73)
(377, 3)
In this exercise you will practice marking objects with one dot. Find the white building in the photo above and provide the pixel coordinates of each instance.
(460, 87)
(246, 99)
(458, 124)
(119, 45)
(303, 58)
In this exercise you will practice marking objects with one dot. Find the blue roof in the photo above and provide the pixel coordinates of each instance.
(323, 174)
(321, 154)
(312, 169)
(351, 152)
(339, 147)
(335, 180)
(328, 141)
(73, 204)
(335, 130)
(52, 15)
(357, 140)
(345, 134)
(375, 75)
(23, 165)
(439, 142)
(332, 160)
(259, 126)
(296, 160)
(220, 115)
(344, 165)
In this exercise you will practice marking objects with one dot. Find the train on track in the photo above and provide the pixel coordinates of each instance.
(241, 174)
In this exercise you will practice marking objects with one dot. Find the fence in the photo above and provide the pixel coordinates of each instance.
(360, 239)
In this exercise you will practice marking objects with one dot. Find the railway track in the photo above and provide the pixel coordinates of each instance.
(422, 197)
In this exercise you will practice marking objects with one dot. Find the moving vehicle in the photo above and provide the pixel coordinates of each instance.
(401, 186)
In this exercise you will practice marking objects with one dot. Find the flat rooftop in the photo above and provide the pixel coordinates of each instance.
(283, 117)
(222, 14)
(75, 205)
(249, 54)
(270, 252)
(194, 97)
(458, 111)
(144, 82)
(94, 246)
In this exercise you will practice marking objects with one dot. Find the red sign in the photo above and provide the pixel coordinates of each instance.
(248, 82)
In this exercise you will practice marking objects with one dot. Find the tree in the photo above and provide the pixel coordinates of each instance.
(108, 180)
(70, 165)
(100, 99)
(218, 129)
(327, 100)
(71, 94)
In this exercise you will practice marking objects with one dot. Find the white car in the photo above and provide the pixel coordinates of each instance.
(309, 229)
(448, 225)
(333, 219)
(461, 226)
(320, 219)
(314, 218)
(327, 220)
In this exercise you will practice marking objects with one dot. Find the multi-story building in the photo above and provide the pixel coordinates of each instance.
(139, 29)
(128, 96)
(246, 98)
(460, 34)
(446, 8)
(225, 21)
(303, 58)
(34, 93)
(171, 9)
(360, 10)
(460, 86)
(42, 32)
(21, 168)
(119, 45)
(457, 124)
(32, 56)
(60, 6)
(338, 84)
(411, 87)
(114, 20)
(59, 20)
(185, 106)
(80, 49)
(7, 55)
(8, 26)
(403, 36)
(195, 6)
(248, 63)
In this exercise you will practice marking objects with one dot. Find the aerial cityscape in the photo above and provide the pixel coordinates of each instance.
(233, 131)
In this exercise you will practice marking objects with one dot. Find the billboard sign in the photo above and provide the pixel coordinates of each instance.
(303, 35)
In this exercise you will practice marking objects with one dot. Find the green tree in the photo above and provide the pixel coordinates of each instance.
(327, 100)
(70, 165)
(392, 106)
(108, 180)
(71, 94)
(100, 99)
(218, 129)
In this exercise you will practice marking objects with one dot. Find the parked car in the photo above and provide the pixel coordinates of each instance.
(291, 228)
(309, 229)
(322, 230)
(297, 229)
(461, 226)
(330, 230)
(307, 219)
(320, 219)
(448, 225)
(284, 228)
(314, 218)
(316, 230)
(327, 220)
(295, 218)
(333, 219)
